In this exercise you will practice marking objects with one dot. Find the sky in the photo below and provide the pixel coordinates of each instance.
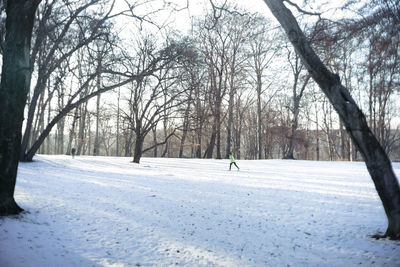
(185, 9)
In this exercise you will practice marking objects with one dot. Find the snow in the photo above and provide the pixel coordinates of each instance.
(105, 211)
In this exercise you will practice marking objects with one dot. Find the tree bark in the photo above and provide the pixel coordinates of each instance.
(82, 127)
(155, 151)
(259, 114)
(96, 139)
(377, 161)
(138, 148)
(14, 88)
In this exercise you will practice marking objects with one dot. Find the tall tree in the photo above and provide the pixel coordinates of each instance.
(155, 95)
(377, 161)
(14, 87)
(297, 94)
(215, 44)
(263, 51)
(238, 34)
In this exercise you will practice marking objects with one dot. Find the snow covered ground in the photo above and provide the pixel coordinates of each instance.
(103, 211)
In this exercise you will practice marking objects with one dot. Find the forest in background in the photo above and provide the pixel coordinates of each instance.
(231, 84)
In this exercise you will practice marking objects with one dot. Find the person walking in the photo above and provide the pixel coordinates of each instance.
(232, 159)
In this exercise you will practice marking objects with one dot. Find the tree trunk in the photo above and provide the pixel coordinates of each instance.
(61, 124)
(185, 124)
(342, 141)
(259, 116)
(81, 130)
(210, 148)
(118, 115)
(377, 161)
(29, 121)
(199, 137)
(199, 122)
(218, 136)
(14, 88)
(228, 150)
(317, 133)
(72, 132)
(88, 140)
(155, 151)
(96, 139)
(231, 103)
(296, 112)
(138, 148)
(183, 139)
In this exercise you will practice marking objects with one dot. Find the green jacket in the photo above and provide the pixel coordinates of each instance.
(232, 159)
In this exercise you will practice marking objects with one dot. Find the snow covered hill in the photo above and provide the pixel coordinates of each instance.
(103, 211)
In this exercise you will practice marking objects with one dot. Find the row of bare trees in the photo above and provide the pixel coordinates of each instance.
(77, 55)
(232, 85)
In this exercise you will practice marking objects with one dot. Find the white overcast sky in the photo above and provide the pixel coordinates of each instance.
(181, 20)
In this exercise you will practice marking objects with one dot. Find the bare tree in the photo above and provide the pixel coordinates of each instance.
(377, 161)
(238, 34)
(154, 97)
(262, 52)
(215, 44)
(297, 94)
(192, 81)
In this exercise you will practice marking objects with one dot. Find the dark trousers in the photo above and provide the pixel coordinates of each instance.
(230, 165)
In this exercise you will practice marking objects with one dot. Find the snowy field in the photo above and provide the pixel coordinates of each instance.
(99, 211)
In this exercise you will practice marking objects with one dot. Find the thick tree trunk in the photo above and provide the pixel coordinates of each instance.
(138, 148)
(378, 163)
(14, 88)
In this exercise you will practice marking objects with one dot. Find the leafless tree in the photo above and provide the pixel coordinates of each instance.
(154, 97)
(263, 45)
(377, 161)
